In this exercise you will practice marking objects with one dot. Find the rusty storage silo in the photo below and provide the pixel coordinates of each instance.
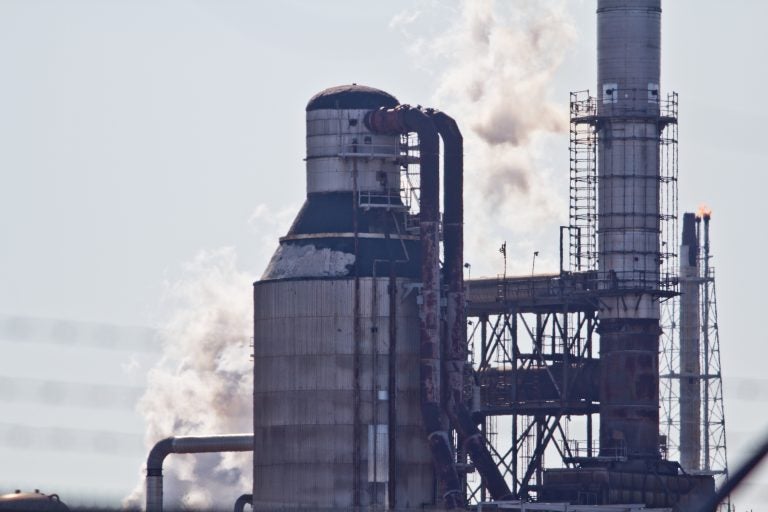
(337, 422)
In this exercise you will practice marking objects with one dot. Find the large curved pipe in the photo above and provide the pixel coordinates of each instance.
(242, 501)
(456, 343)
(399, 120)
(186, 444)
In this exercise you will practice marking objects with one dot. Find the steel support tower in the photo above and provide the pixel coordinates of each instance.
(692, 390)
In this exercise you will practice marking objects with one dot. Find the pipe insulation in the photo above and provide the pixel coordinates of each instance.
(186, 444)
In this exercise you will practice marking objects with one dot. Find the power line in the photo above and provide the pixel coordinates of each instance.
(27, 329)
(67, 394)
(29, 437)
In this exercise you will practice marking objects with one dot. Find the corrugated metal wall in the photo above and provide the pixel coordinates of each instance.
(304, 396)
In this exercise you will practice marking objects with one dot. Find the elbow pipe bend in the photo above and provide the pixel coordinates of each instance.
(157, 456)
(195, 444)
(186, 444)
(242, 501)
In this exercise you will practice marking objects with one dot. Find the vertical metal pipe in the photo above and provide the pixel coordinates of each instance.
(515, 418)
(405, 119)
(357, 428)
(456, 343)
(374, 440)
(187, 444)
(590, 418)
(690, 353)
(392, 386)
(483, 339)
(154, 492)
(541, 422)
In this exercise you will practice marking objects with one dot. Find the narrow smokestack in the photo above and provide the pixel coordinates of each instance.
(690, 349)
(628, 69)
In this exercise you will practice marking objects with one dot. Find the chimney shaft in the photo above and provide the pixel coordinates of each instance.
(628, 64)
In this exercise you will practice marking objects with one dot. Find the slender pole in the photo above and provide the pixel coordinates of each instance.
(357, 352)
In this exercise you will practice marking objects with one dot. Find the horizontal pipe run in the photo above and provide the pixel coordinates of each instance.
(186, 444)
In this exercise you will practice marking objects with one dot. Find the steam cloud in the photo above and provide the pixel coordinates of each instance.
(203, 383)
(496, 62)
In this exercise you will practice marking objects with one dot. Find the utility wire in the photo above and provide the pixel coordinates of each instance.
(27, 329)
(30, 437)
(56, 393)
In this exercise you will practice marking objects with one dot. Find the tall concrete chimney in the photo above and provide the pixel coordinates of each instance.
(690, 349)
(628, 69)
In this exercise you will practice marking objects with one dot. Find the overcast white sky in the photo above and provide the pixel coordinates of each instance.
(134, 134)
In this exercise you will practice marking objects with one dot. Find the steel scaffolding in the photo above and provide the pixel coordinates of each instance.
(535, 377)
(532, 339)
(713, 456)
(583, 198)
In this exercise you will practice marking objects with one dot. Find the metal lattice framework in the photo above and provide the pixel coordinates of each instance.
(582, 210)
(713, 457)
(532, 339)
(669, 365)
(531, 343)
(715, 450)
(584, 181)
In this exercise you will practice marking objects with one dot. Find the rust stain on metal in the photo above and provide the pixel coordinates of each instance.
(629, 387)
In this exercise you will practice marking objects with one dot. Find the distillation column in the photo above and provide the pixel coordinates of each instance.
(628, 68)
(690, 350)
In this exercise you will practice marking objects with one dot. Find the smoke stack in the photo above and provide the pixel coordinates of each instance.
(690, 328)
(628, 68)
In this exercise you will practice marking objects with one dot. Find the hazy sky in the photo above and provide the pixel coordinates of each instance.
(135, 134)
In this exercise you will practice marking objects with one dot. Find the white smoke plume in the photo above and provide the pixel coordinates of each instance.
(268, 224)
(203, 383)
(495, 65)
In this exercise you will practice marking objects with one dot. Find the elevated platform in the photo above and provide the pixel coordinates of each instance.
(532, 294)
(609, 485)
(557, 388)
(568, 292)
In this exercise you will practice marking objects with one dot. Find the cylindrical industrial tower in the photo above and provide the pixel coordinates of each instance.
(690, 349)
(628, 68)
(337, 420)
